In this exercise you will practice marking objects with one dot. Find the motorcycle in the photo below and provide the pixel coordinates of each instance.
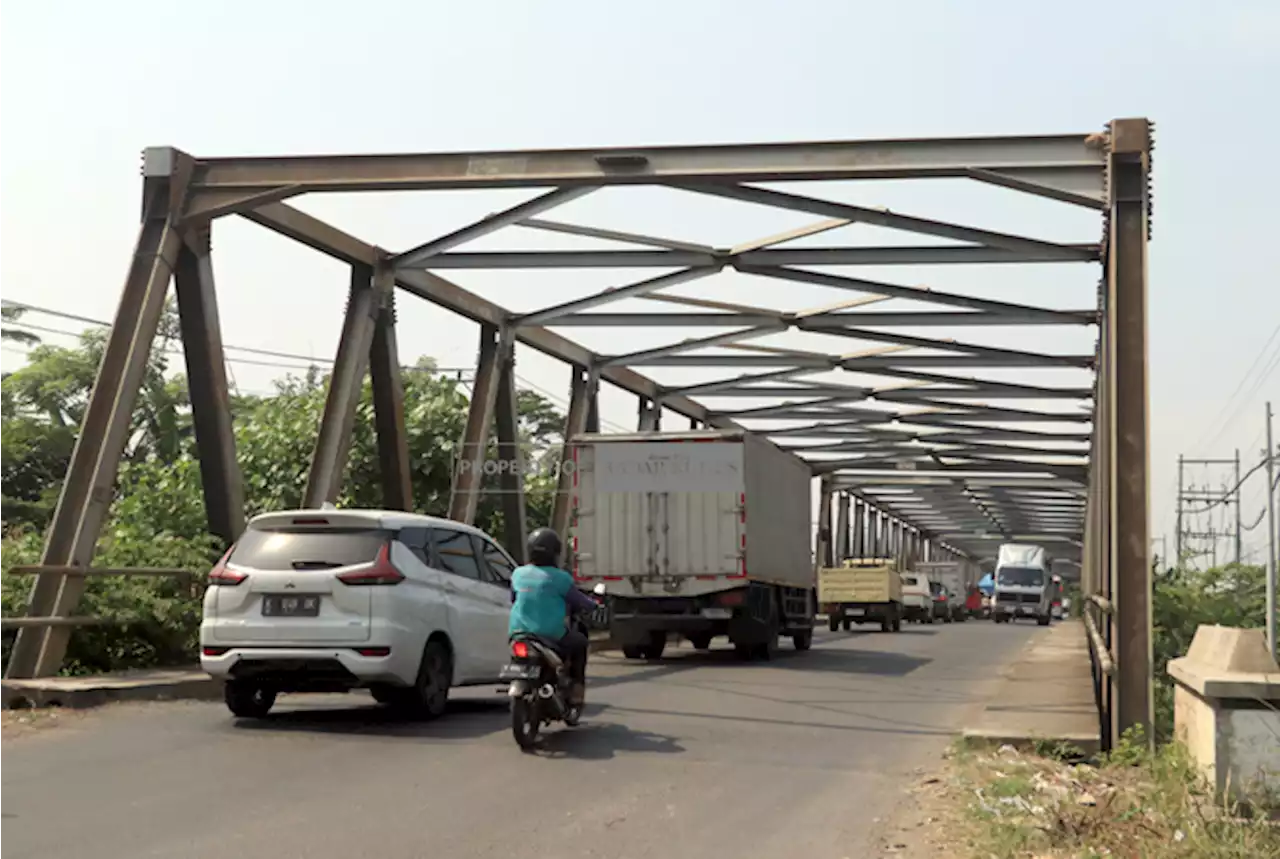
(540, 685)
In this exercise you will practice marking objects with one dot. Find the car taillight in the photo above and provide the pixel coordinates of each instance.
(221, 575)
(373, 651)
(382, 572)
(214, 651)
(520, 650)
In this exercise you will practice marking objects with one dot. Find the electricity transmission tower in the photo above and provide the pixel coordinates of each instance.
(1208, 511)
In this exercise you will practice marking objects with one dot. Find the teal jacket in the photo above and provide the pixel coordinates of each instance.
(543, 597)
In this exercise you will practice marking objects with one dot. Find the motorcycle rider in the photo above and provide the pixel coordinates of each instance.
(543, 594)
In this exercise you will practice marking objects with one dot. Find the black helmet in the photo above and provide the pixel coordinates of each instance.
(544, 548)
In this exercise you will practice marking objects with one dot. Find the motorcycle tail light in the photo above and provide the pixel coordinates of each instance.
(520, 650)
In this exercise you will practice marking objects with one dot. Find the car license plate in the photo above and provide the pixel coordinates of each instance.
(283, 606)
(717, 613)
(519, 672)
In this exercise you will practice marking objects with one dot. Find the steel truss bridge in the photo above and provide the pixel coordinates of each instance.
(920, 450)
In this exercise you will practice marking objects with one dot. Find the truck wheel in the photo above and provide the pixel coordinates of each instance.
(700, 642)
(886, 622)
(803, 640)
(897, 622)
(633, 651)
(1042, 620)
(847, 623)
(833, 622)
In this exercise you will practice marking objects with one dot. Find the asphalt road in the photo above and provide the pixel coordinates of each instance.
(698, 756)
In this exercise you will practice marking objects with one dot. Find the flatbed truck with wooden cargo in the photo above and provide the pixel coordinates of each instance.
(701, 534)
(866, 590)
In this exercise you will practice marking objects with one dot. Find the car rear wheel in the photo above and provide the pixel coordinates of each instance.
(700, 642)
(429, 695)
(248, 700)
(802, 640)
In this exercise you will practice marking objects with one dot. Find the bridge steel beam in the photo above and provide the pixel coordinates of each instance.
(511, 471)
(88, 488)
(473, 449)
(584, 386)
(385, 380)
(205, 361)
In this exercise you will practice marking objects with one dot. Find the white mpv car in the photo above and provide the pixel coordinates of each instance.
(332, 600)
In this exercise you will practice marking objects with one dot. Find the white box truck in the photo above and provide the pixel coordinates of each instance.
(701, 533)
(1022, 584)
(953, 576)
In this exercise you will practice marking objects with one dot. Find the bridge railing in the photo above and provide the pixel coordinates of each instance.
(192, 582)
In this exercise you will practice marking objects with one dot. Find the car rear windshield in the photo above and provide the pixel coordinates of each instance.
(313, 548)
(935, 587)
(910, 581)
(1020, 577)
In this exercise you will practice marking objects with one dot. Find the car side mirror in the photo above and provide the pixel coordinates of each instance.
(599, 590)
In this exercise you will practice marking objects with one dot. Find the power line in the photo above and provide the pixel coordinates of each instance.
(310, 361)
(1240, 385)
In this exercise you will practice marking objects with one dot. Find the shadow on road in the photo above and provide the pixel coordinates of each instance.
(466, 718)
(601, 742)
(873, 663)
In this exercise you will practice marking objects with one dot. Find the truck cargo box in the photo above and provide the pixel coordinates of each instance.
(860, 581)
(688, 513)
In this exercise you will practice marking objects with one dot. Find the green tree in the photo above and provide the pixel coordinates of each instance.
(14, 313)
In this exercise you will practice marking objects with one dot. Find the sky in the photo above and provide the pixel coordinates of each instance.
(85, 86)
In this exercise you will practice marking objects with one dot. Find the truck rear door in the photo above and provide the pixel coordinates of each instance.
(659, 510)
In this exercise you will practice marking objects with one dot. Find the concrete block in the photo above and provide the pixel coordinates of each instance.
(1227, 710)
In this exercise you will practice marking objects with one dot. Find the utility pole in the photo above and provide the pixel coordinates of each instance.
(1238, 527)
(1271, 536)
(1177, 537)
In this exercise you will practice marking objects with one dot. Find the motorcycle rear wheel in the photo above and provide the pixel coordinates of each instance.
(525, 722)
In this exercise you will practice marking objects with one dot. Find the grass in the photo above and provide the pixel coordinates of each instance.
(1134, 803)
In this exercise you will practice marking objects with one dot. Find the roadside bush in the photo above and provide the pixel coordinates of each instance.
(1183, 600)
(159, 618)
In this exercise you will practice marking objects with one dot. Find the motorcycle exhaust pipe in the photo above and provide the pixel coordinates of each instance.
(517, 689)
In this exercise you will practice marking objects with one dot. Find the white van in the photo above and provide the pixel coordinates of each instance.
(917, 598)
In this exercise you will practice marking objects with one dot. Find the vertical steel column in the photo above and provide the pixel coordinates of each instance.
(593, 412)
(583, 388)
(1128, 165)
(842, 529)
(346, 383)
(388, 404)
(822, 547)
(510, 458)
(87, 490)
(859, 531)
(220, 478)
(495, 347)
(650, 416)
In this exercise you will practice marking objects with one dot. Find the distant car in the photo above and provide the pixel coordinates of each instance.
(404, 605)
